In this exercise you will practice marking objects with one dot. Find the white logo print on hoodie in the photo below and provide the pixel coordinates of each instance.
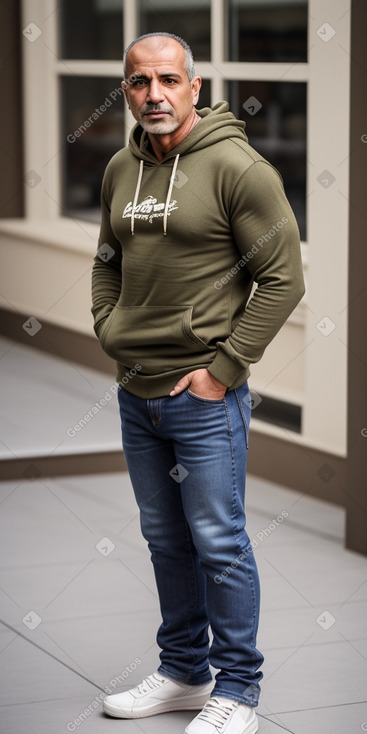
(149, 209)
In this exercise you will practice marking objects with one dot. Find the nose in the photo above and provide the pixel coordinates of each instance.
(155, 94)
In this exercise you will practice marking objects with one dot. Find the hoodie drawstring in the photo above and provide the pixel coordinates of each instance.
(137, 191)
(168, 198)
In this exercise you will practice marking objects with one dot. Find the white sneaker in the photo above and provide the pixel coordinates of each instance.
(156, 695)
(224, 716)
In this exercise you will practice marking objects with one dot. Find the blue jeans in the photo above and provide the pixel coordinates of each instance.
(186, 457)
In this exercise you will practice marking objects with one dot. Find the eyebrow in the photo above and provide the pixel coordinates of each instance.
(164, 75)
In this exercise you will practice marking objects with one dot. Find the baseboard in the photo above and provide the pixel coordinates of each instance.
(60, 466)
(58, 341)
(308, 471)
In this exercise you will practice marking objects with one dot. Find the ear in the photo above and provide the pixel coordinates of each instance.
(195, 87)
(125, 89)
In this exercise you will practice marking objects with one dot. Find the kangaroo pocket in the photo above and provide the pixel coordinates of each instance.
(159, 338)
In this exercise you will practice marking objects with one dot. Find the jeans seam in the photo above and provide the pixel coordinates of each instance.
(233, 471)
(247, 431)
(193, 597)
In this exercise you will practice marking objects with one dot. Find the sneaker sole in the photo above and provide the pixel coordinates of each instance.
(155, 709)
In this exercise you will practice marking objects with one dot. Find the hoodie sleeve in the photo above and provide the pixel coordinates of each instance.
(267, 236)
(106, 273)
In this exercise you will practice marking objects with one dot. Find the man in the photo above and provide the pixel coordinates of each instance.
(192, 217)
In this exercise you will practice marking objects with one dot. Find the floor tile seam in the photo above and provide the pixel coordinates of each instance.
(276, 723)
(318, 708)
(48, 700)
(312, 644)
(350, 602)
(354, 601)
(322, 605)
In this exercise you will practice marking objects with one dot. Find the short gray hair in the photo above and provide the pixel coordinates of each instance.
(189, 61)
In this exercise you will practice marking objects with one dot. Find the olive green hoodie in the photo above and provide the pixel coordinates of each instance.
(182, 242)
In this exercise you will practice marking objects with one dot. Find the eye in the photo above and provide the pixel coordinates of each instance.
(138, 82)
(169, 80)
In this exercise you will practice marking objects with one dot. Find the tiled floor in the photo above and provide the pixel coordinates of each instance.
(78, 602)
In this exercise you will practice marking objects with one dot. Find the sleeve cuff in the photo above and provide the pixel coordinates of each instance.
(225, 369)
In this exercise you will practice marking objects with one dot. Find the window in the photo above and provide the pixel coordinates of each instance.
(267, 30)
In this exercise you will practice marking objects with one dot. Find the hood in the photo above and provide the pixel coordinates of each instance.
(216, 124)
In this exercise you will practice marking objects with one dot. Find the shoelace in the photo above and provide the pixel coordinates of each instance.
(149, 684)
(217, 712)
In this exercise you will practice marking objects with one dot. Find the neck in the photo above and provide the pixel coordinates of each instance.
(162, 144)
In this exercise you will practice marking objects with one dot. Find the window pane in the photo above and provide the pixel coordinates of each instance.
(275, 116)
(92, 131)
(91, 29)
(189, 19)
(267, 30)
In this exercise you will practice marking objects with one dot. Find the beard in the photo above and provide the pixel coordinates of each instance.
(158, 127)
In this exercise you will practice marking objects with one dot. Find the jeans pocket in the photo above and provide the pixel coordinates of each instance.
(203, 401)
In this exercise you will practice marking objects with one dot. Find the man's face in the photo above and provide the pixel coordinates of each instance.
(157, 88)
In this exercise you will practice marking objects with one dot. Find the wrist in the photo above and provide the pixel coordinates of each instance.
(216, 383)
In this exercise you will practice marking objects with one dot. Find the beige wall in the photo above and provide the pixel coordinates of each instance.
(47, 274)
